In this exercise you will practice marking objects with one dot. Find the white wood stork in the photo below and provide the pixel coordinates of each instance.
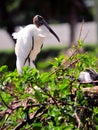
(29, 41)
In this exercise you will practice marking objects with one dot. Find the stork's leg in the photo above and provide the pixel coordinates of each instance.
(19, 65)
(27, 63)
(32, 65)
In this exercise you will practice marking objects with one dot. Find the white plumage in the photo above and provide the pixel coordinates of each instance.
(84, 77)
(28, 43)
(88, 76)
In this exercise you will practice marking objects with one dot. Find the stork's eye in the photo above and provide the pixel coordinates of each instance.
(40, 20)
(40, 17)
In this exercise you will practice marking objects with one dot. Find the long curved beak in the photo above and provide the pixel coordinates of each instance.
(46, 24)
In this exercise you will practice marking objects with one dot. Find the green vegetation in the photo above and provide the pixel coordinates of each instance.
(46, 55)
(49, 100)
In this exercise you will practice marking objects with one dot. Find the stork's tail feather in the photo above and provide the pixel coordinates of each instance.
(15, 35)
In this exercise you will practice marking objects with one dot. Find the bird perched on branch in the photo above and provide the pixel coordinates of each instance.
(29, 41)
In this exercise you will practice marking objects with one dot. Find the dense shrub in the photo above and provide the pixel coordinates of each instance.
(51, 100)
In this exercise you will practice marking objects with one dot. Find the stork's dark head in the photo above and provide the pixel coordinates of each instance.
(39, 21)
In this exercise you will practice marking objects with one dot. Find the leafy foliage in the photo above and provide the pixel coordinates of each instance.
(51, 100)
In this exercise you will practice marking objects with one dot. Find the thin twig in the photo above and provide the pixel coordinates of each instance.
(2, 126)
(85, 36)
(76, 115)
(24, 122)
(77, 60)
(64, 63)
(81, 29)
(95, 81)
(5, 103)
(81, 32)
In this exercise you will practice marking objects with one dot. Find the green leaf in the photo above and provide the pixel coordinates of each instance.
(3, 68)
(37, 125)
(45, 77)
